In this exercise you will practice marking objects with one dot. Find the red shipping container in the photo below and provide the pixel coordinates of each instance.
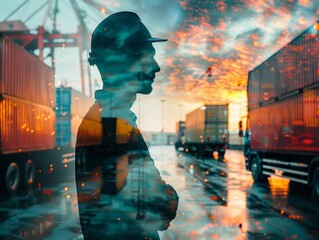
(291, 69)
(288, 125)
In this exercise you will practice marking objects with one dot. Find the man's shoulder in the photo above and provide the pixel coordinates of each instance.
(94, 112)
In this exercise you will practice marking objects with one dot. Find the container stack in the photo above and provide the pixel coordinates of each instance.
(27, 118)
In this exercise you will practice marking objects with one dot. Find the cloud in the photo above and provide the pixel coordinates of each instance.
(161, 16)
(232, 37)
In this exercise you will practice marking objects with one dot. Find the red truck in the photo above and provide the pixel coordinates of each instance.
(282, 133)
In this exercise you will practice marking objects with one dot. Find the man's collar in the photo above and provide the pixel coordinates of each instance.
(115, 105)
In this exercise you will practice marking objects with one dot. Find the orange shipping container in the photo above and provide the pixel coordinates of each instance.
(25, 126)
(24, 76)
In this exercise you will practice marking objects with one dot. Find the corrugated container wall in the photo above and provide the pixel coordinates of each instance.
(293, 67)
(71, 107)
(24, 76)
(195, 126)
(207, 124)
(25, 126)
(291, 124)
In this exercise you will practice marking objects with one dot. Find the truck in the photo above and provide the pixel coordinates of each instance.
(282, 126)
(180, 135)
(206, 131)
(107, 142)
(29, 152)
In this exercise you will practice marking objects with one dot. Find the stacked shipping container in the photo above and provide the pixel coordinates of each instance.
(25, 126)
(33, 82)
(291, 124)
(27, 97)
(283, 97)
(292, 68)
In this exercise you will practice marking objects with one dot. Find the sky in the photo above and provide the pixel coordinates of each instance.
(230, 37)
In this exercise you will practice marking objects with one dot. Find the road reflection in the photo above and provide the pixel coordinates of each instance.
(279, 188)
(43, 213)
(205, 210)
(37, 228)
(218, 200)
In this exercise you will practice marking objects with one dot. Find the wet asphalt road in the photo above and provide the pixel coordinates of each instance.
(48, 211)
(218, 200)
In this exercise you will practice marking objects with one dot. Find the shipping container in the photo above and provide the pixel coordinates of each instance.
(100, 138)
(111, 130)
(282, 133)
(28, 150)
(291, 69)
(291, 124)
(25, 126)
(71, 107)
(206, 129)
(23, 76)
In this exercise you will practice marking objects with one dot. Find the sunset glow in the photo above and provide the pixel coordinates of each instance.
(232, 39)
(228, 38)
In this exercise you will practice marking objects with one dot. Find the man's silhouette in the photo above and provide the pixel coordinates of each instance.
(121, 194)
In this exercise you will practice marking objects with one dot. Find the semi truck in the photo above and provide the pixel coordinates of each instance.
(282, 127)
(29, 150)
(206, 131)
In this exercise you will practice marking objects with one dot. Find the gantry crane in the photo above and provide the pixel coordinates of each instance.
(54, 39)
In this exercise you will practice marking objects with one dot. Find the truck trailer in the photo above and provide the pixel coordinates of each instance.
(282, 131)
(206, 131)
(29, 151)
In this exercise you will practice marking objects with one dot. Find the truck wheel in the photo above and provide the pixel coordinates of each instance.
(315, 184)
(12, 178)
(29, 173)
(256, 170)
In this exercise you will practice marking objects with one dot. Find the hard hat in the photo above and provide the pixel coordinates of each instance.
(117, 31)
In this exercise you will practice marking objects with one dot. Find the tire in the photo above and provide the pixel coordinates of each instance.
(315, 184)
(28, 173)
(12, 178)
(256, 170)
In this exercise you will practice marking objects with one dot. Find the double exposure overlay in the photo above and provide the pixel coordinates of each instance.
(167, 119)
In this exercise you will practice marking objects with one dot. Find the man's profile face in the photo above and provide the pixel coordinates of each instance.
(132, 69)
(145, 67)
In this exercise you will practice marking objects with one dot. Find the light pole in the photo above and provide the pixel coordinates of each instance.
(180, 111)
(163, 114)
